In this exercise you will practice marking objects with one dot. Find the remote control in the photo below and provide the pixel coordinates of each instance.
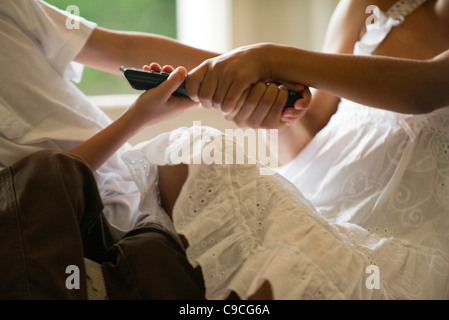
(144, 80)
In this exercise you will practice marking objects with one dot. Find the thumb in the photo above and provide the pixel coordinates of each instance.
(174, 80)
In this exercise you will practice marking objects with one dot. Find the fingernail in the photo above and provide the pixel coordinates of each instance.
(299, 106)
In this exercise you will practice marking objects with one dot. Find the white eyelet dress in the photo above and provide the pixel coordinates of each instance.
(361, 213)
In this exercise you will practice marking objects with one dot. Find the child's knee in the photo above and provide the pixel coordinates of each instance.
(57, 174)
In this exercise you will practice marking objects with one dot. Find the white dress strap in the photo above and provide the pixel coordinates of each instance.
(403, 8)
(377, 32)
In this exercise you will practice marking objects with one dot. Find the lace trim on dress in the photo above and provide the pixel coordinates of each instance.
(401, 9)
(377, 32)
(244, 228)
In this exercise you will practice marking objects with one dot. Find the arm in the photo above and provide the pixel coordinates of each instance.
(335, 72)
(404, 86)
(221, 81)
(396, 84)
(107, 50)
(153, 106)
(233, 73)
(294, 138)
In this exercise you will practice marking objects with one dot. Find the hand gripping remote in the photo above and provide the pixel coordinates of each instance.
(144, 80)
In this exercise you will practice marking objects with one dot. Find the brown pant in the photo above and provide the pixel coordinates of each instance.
(51, 218)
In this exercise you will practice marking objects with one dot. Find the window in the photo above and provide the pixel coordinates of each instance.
(153, 16)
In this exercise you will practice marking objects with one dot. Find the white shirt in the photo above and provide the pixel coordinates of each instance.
(40, 106)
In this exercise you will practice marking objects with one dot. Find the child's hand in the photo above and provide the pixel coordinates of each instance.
(158, 104)
(262, 106)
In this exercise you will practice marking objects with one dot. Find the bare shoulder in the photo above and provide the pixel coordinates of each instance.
(346, 25)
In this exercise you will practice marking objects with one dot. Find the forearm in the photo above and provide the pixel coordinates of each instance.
(400, 85)
(96, 150)
(152, 106)
(107, 50)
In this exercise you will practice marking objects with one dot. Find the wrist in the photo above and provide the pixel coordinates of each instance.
(132, 119)
(268, 55)
(261, 55)
(284, 62)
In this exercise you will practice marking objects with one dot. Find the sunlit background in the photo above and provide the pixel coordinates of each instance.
(155, 16)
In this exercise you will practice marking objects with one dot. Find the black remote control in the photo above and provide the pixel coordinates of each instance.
(144, 80)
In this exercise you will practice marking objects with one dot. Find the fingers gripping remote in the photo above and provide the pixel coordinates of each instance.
(144, 80)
